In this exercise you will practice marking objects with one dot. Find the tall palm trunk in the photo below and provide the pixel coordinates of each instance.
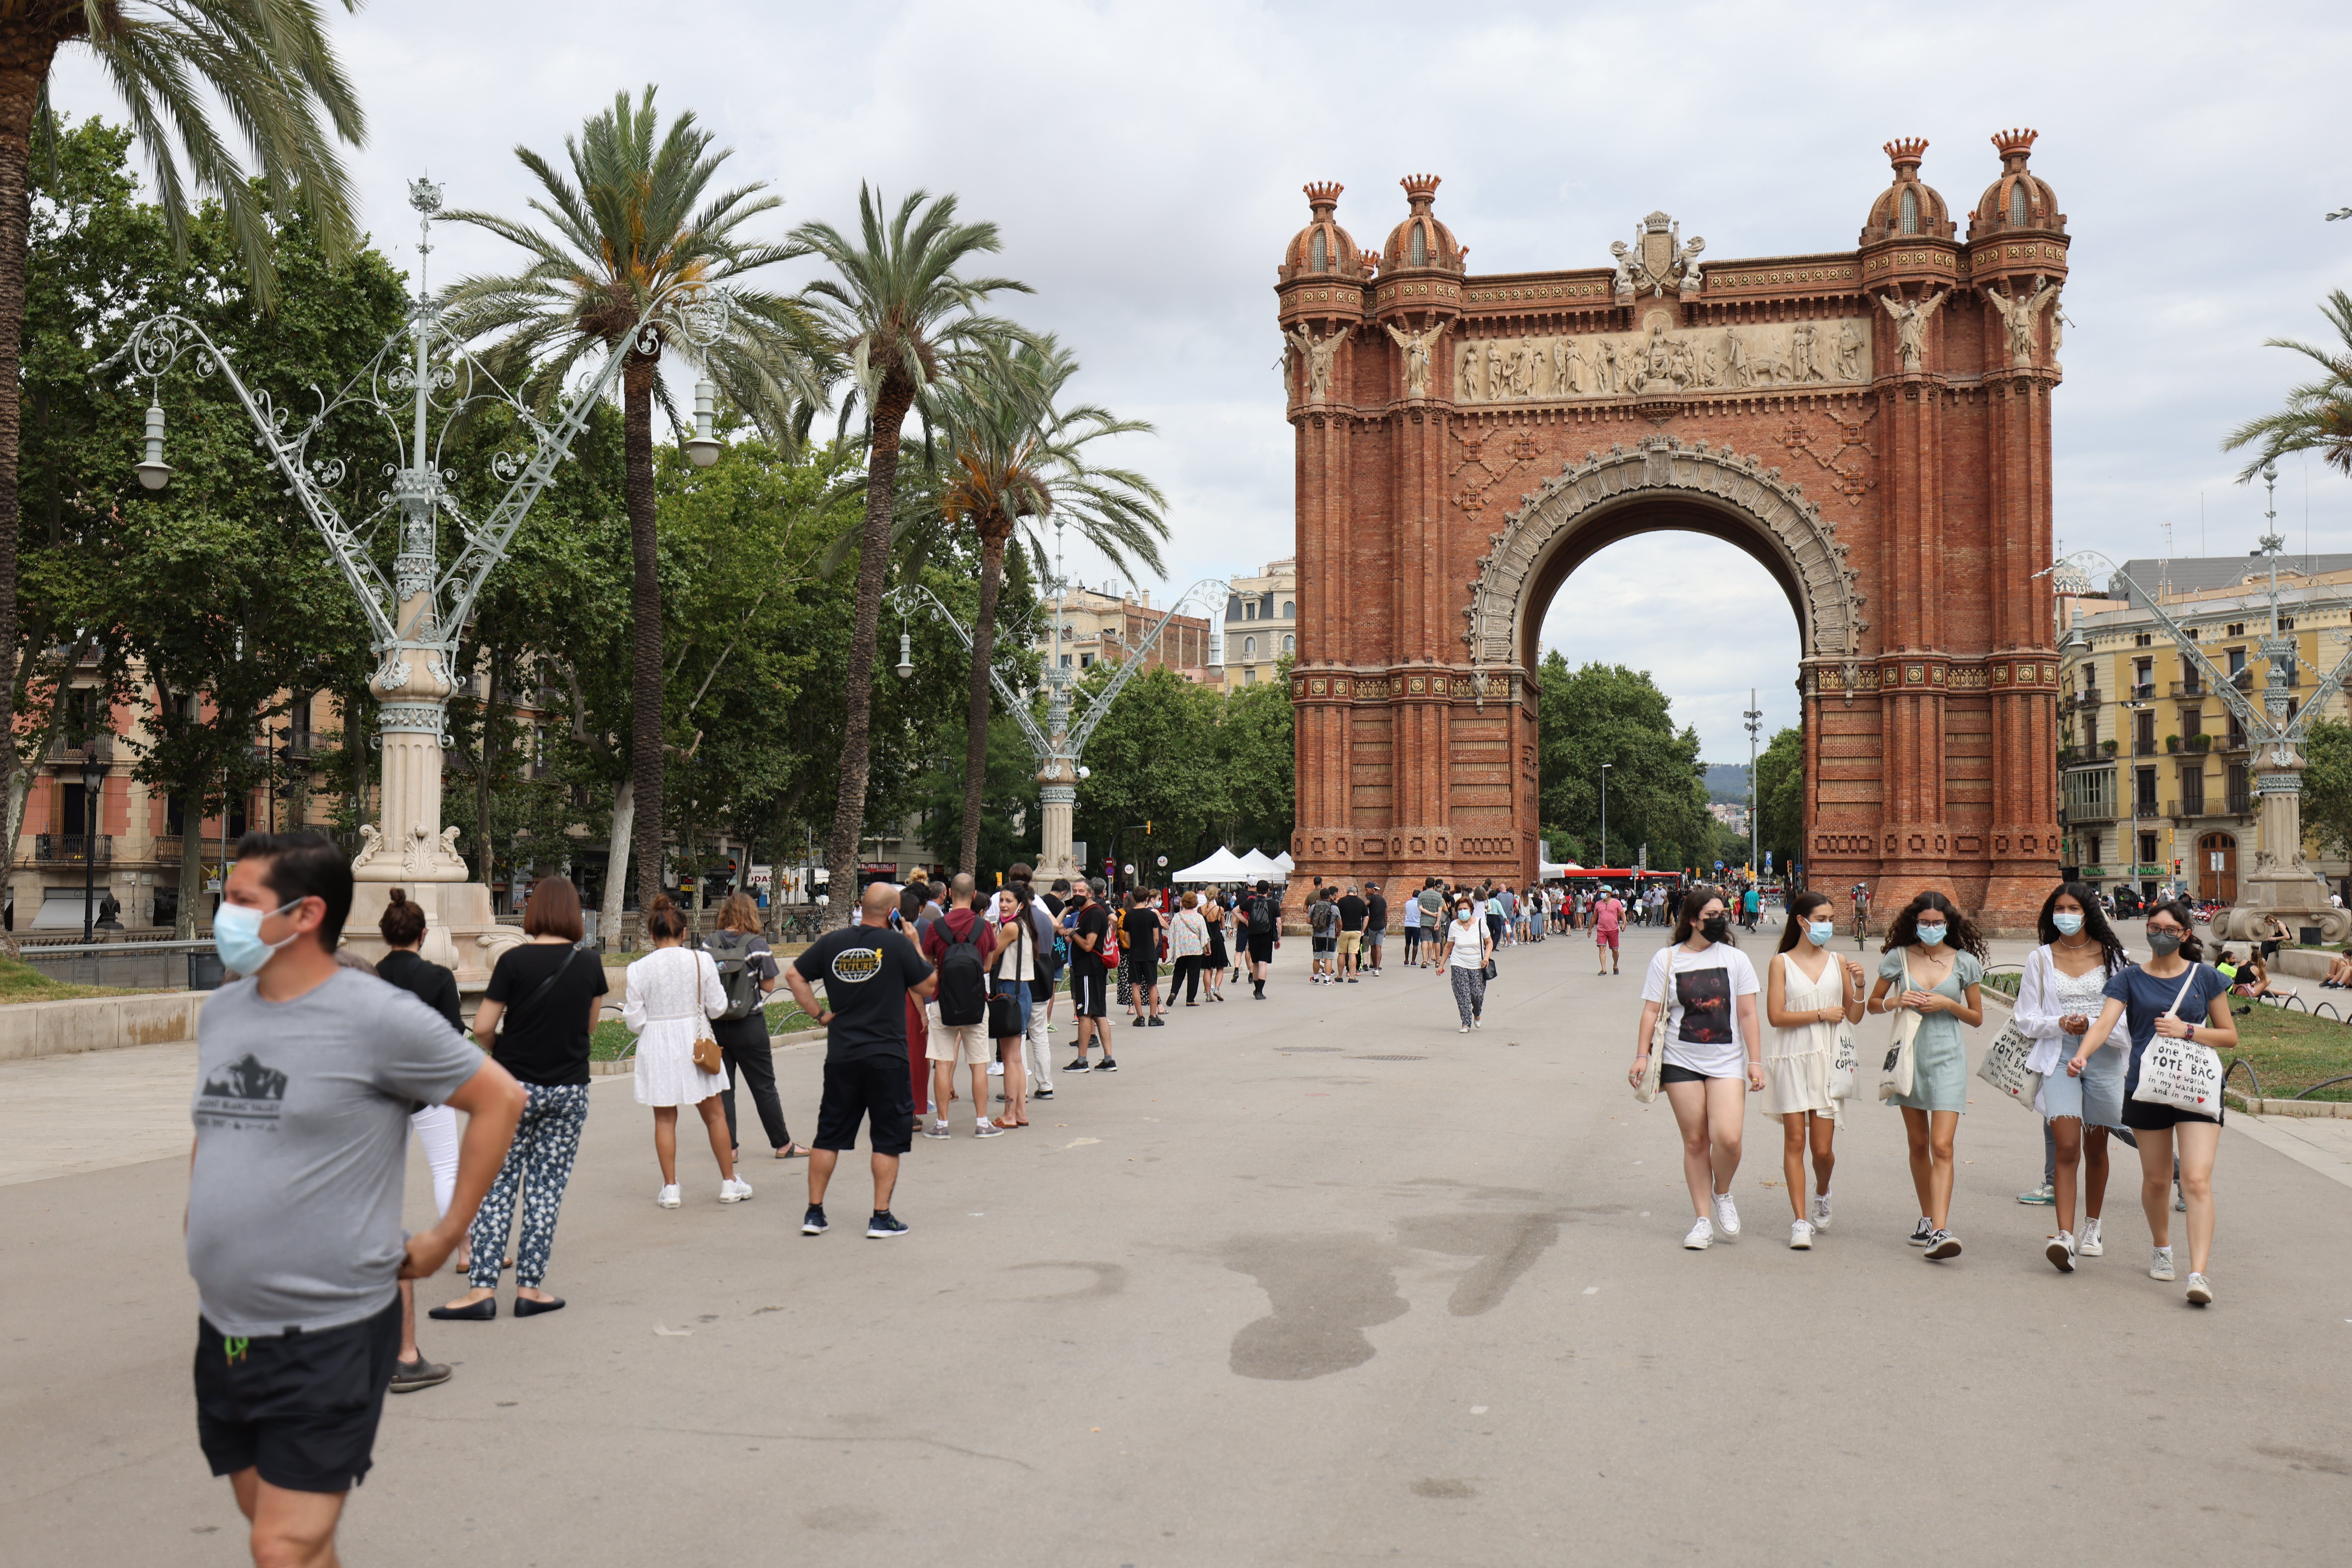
(23, 66)
(890, 407)
(646, 616)
(984, 648)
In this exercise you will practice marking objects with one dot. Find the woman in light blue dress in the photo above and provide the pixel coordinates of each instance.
(1937, 959)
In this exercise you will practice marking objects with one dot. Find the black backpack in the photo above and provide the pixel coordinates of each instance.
(1262, 915)
(739, 975)
(964, 980)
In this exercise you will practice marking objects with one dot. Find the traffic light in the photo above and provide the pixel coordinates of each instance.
(1147, 827)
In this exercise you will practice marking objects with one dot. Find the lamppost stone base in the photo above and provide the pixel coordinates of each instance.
(460, 930)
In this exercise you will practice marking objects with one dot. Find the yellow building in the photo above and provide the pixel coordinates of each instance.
(2155, 783)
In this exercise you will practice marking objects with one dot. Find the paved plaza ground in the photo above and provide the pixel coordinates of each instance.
(1315, 1280)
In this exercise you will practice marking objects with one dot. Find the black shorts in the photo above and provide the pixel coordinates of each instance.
(1669, 1073)
(876, 1090)
(1142, 973)
(2147, 1116)
(300, 1409)
(1261, 948)
(1324, 944)
(1089, 996)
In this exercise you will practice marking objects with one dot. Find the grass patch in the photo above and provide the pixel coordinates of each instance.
(2291, 1050)
(612, 1039)
(2005, 983)
(20, 982)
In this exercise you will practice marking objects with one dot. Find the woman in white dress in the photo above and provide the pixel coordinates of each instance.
(2063, 988)
(1808, 994)
(672, 991)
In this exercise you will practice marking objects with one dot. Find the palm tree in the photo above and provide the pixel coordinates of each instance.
(266, 65)
(1016, 460)
(899, 313)
(2318, 414)
(634, 227)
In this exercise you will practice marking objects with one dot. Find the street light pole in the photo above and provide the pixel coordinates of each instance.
(1755, 720)
(1604, 813)
(93, 782)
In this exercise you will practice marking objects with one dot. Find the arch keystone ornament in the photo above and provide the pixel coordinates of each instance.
(1871, 424)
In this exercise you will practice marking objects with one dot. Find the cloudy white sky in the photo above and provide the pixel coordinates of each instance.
(1144, 162)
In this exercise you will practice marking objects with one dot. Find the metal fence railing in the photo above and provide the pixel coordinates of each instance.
(129, 965)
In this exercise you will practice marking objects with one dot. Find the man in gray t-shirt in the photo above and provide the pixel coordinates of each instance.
(307, 1073)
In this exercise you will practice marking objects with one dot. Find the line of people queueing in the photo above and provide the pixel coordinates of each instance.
(2077, 987)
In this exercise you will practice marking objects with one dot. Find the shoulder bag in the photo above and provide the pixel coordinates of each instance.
(1843, 1058)
(2004, 1061)
(1003, 1007)
(1647, 1090)
(2181, 1073)
(707, 1055)
(1895, 1073)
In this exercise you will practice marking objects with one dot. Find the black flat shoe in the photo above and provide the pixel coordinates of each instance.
(481, 1311)
(527, 1307)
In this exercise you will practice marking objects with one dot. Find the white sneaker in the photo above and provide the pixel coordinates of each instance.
(2159, 1266)
(733, 1192)
(1800, 1237)
(2200, 1290)
(667, 1197)
(996, 1069)
(2061, 1252)
(1701, 1236)
(2088, 1244)
(1727, 1216)
(1821, 1220)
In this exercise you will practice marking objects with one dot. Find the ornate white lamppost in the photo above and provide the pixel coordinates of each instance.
(1058, 743)
(421, 380)
(2282, 896)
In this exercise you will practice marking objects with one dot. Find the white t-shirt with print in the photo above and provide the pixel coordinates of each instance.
(1702, 991)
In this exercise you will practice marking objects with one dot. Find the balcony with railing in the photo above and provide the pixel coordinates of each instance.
(63, 750)
(73, 849)
(2191, 688)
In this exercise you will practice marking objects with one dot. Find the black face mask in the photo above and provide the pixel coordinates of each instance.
(1716, 928)
(2164, 943)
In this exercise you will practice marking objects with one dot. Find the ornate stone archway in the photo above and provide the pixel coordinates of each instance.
(1873, 424)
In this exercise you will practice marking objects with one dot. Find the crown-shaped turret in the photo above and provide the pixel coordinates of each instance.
(1421, 240)
(1909, 208)
(2020, 198)
(1322, 246)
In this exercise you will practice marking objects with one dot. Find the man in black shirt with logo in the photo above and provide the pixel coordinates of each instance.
(1087, 925)
(1352, 911)
(868, 971)
(1376, 922)
(1138, 951)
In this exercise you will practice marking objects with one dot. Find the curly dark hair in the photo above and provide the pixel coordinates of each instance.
(1959, 933)
(2094, 922)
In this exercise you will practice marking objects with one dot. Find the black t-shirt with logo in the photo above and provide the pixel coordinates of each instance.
(1094, 921)
(1376, 912)
(1352, 911)
(867, 971)
(1141, 944)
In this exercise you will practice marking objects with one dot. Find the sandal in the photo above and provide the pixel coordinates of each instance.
(1007, 1125)
(793, 1152)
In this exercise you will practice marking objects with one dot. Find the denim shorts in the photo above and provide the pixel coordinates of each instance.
(2097, 1097)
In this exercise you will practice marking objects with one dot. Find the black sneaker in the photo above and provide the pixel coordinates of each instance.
(883, 1226)
(1157, 1022)
(1924, 1234)
(813, 1223)
(1041, 1094)
(408, 1377)
(1137, 1020)
(1943, 1244)
(1081, 1065)
(1353, 981)
(1106, 1065)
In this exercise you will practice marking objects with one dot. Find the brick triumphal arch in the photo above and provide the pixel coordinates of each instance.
(1872, 425)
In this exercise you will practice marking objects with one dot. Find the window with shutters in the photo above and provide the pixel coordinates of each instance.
(1419, 246)
(2017, 203)
(1322, 257)
(1910, 212)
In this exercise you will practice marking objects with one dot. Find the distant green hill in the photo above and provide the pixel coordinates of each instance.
(1728, 781)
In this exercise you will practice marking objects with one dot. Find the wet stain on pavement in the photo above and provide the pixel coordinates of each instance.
(1109, 1279)
(1442, 1487)
(2307, 1458)
(1325, 1290)
(1505, 1244)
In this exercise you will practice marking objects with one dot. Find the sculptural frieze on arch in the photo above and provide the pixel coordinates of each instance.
(1871, 421)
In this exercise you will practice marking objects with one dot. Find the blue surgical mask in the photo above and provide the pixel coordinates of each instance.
(1931, 936)
(1822, 931)
(237, 936)
(2068, 923)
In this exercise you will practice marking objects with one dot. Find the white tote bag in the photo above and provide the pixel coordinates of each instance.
(2181, 1073)
(2004, 1061)
(1647, 1089)
(1895, 1073)
(1843, 1060)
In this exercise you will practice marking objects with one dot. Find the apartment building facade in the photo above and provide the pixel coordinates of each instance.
(1260, 623)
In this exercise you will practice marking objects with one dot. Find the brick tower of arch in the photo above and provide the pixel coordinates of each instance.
(1872, 425)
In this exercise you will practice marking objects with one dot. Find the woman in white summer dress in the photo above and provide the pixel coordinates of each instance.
(672, 992)
(1805, 1014)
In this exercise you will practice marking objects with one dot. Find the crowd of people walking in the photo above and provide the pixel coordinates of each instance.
(2082, 1050)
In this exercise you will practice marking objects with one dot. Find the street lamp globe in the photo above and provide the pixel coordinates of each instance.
(702, 448)
(154, 473)
(905, 667)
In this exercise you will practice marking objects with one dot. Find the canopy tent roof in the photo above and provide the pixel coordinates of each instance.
(1546, 869)
(1286, 862)
(1225, 866)
(1255, 866)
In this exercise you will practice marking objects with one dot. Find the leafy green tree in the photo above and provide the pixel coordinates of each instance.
(1153, 760)
(2317, 416)
(1780, 797)
(1257, 757)
(2327, 787)
(266, 67)
(634, 227)
(1657, 794)
(895, 309)
(1017, 458)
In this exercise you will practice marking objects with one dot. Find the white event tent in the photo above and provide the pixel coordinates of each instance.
(1255, 866)
(1225, 866)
